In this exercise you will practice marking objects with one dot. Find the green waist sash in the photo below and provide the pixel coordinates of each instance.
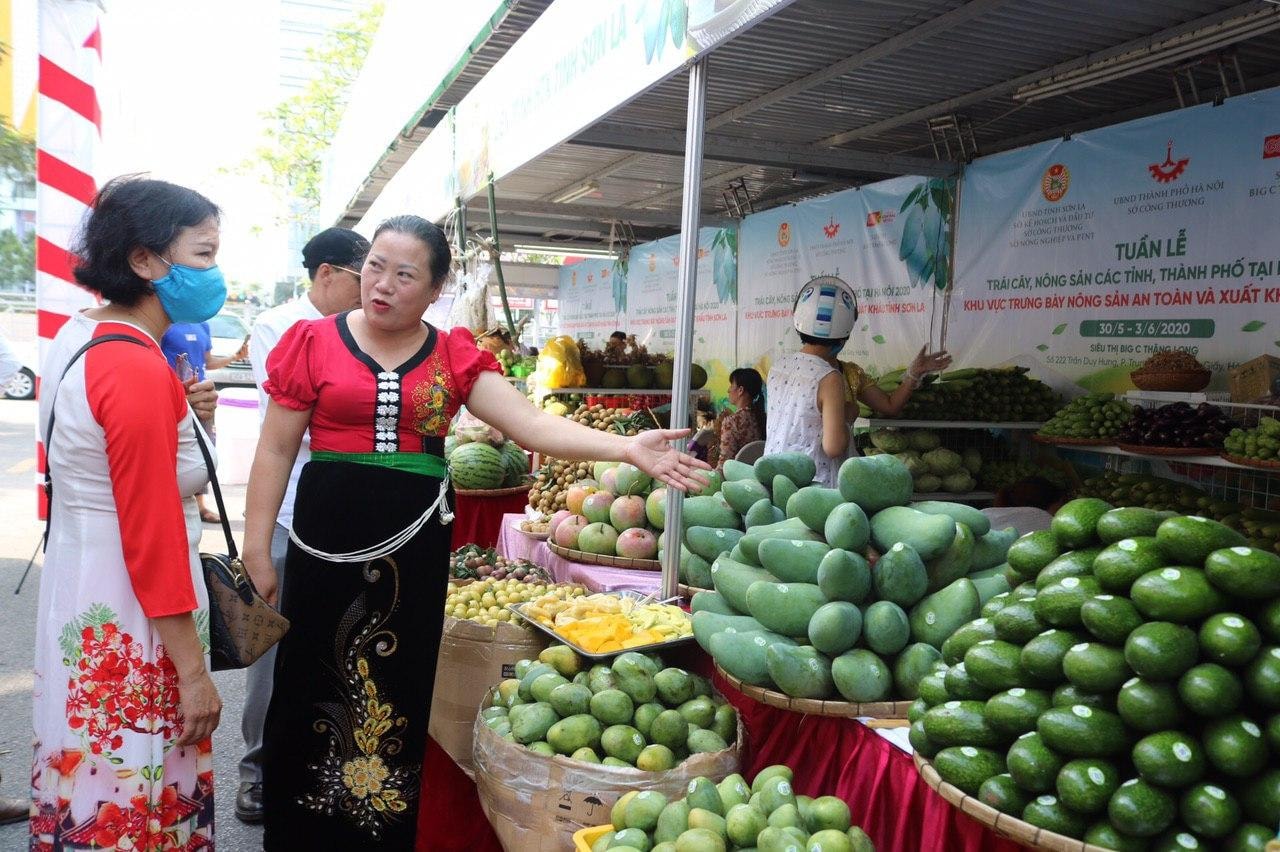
(423, 464)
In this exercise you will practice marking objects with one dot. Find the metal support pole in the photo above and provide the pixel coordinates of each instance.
(497, 262)
(686, 299)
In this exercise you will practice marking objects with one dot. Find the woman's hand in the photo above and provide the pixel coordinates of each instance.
(652, 452)
(929, 362)
(262, 574)
(202, 397)
(200, 706)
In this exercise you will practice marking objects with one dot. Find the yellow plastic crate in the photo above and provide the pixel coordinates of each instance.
(584, 837)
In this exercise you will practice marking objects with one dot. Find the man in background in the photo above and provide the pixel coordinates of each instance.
(333, 259)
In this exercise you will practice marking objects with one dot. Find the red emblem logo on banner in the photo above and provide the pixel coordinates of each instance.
(590, 278)
(1055, 182)
(873, 218)
(1171, 169)
(1271, 147)
(831, 228)
(784, 234)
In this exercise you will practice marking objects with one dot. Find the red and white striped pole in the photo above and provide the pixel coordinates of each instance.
(68, 133)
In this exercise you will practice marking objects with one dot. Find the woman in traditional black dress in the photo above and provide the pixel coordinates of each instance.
(366, 577)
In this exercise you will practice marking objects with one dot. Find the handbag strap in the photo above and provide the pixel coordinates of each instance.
(232, 553)
(53, 411)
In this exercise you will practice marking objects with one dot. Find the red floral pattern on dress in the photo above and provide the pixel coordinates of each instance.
(114, 689)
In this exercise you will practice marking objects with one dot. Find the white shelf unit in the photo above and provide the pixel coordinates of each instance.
(1217, 477)
(888, 422)
(974, 496)
(622, 392)
(1205, 461)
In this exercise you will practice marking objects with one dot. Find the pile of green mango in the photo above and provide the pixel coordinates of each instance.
(1261, 527)
(834, 593)
(637, 712)
(766, 816)
(1126, 691)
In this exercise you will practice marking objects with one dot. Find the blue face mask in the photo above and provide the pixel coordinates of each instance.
(188, 294)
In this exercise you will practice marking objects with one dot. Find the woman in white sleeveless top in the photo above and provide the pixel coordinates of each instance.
(807, 411)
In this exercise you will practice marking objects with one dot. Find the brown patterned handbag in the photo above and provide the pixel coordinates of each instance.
(242, 625)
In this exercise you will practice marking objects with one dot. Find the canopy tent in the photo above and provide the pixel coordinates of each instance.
(827, 94)
(822, 95)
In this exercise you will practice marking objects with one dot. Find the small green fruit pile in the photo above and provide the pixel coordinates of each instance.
(1095, 415)
(766, 815)
(1262, 442)
(636, 712)
(1126, 691)
(1005, 394)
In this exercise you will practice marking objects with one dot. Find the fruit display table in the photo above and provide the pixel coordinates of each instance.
(478, 519)
(513, 544)
(877, 779)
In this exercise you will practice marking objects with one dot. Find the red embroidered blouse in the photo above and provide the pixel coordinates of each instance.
(357, 407)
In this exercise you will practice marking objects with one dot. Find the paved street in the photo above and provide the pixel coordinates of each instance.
(19, 534)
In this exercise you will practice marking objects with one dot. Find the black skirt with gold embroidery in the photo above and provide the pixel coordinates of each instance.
(347, 726)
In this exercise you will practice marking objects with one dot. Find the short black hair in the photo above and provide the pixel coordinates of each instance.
(430, 235)
(129, 212)
(618, 335)
(819, 341)
(336, 247)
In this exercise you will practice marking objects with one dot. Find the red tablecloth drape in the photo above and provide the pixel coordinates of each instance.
(476, 520)
(450, 818)
(840, 757)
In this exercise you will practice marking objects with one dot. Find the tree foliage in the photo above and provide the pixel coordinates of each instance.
(17, 258)
(302, 126)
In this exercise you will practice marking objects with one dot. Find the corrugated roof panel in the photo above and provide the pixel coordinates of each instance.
(1018, 38)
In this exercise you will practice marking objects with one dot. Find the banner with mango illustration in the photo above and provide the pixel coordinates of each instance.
(1082, 257)
(653, 277)
(890, 241)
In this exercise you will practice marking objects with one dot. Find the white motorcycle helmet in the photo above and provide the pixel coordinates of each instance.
(826, 308)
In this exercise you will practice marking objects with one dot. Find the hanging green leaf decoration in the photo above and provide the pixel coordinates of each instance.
(1253, 325)
(879, 338)
(1043, 348)
(1061, 328)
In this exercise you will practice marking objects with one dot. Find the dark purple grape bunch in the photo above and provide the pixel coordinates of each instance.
(1177, 425)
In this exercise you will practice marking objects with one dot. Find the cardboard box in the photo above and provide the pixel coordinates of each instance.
(473, 659)
(535, 803)
(1253, 380)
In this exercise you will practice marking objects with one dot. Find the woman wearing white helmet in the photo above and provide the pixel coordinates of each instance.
(807, 389)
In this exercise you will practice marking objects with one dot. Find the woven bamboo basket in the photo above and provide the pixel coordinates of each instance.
(1001, 823)
(608, 561)
(886, 710)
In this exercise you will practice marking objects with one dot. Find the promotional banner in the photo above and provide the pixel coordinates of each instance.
(591, 298)
(890, 241)
(654, 277)
(547, 86)
(1081, 258)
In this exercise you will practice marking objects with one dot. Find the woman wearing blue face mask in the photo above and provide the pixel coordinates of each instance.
(124, 705)
(809, 389)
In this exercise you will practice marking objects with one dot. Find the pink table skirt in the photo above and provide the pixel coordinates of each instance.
(514, 544)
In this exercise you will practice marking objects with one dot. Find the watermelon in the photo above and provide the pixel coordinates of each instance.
(516, 462)
(450, 444)
(476, 466)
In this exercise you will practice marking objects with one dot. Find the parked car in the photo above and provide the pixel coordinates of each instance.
(229, 332)
(23, 383)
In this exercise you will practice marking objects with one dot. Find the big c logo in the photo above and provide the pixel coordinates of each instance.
(1271, 147)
